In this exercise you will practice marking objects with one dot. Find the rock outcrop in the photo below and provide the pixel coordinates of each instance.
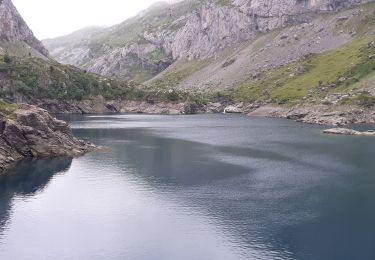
(318, 114)
(14, 29)
(345, 131)
(31, 132)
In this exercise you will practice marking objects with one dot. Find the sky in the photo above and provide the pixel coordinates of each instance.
(52, 18)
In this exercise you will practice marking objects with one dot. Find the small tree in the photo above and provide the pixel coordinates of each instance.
(7, 58)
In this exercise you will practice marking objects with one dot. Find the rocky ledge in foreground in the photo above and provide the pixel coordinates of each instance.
(345, 131)
(31, 132)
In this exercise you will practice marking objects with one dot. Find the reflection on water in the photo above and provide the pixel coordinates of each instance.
(25, 180)
(199, 187)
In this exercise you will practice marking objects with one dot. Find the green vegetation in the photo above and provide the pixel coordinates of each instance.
(364, 99)
(313, 78)
(157, 55)
(180, 71)
(7, 58)
(39, 78)
(7, 107)
(223, 2)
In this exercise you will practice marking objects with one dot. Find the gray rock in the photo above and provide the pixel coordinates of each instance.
(32, 132)
(233, 110)
(345, 131)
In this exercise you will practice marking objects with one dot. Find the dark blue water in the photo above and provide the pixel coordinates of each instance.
(194, 187)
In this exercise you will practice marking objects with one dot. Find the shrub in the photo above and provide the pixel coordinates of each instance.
(366, 100)
(7, 58)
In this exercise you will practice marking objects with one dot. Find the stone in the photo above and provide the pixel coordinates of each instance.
(191, 108)
(345, 131)
(342, 18)
(232, 109)
(33, 132)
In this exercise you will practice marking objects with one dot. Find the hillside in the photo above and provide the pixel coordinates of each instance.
(201, 56)
(253, 51)
(28, 74)
(125, 50)
(15, 34)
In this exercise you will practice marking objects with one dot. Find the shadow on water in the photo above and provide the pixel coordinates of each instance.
(27, 178)
(172, 162)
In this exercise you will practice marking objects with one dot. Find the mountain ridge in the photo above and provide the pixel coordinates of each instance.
(14, 29)
(143, 46)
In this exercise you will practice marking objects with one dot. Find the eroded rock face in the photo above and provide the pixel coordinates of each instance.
(14, 29)
(32, 132)
(213, 27)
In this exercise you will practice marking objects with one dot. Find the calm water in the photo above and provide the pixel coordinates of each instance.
(194, 187)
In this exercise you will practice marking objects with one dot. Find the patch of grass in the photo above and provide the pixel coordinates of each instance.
(173, 77)
(223, 2)
(364, 99)
(7, 107)
(157, 55)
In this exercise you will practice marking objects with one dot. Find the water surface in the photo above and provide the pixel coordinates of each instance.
(194, 187)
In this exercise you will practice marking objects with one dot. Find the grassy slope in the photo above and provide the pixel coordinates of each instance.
(341, 70)
(7, 107)
(177, 73)
(311, 79)
(45, 79)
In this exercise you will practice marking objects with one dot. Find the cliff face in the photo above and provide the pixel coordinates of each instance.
(14, 29)
(213, 27)
(30, 132)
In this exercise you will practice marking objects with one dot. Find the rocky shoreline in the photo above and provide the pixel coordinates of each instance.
(337, 115)
(31, 132)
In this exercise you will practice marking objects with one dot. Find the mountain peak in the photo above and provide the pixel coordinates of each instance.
(14, 29)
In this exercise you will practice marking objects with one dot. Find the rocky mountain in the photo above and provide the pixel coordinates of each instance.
(14, 31)
(29, 75)
(147, 44)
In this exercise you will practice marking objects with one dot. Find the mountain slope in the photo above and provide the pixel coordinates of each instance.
(15, 31)
(27, 74)
(125, 50)
(147, 44)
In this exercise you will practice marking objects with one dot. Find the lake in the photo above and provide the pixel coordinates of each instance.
(194, 187)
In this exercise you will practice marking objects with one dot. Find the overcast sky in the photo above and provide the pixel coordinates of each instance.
(52, 18)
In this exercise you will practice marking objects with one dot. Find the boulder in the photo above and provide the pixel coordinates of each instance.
(345, 131)
(233, 110)
(32, 132)
(191, 108)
